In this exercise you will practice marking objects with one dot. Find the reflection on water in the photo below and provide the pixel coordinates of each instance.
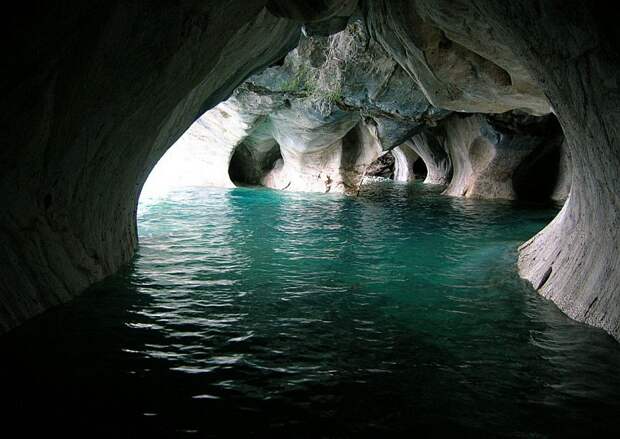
(255, 312)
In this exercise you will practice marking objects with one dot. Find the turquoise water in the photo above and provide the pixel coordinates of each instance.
(251, 312)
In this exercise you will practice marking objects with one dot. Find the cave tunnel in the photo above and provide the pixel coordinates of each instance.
(249, 167)
(353, 300)
(419, 169)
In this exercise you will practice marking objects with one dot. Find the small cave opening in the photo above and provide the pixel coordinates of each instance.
(535, 179)
(545, 174)
(249, 165)
(420, 171)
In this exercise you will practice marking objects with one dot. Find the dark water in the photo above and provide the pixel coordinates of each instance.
(252, 312)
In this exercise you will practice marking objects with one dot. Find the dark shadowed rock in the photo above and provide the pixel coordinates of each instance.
(95, 97)
(382, 167)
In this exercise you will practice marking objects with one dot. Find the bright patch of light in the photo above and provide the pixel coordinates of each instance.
(185, 164)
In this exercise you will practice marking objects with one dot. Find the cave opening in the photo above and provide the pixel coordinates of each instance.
(267, 284)
(419, 169)
(249, 166)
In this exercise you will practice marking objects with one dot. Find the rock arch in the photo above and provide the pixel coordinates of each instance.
(95, 94)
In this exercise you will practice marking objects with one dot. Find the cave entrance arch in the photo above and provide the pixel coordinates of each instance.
(248, 166)
(81, 84)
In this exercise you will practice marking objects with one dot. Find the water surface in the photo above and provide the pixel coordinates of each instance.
(251, 312)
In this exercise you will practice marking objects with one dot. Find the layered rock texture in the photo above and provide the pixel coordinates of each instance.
(535, 56)
(486, 150)
(316, 122)
(430, 146)
(95, 94)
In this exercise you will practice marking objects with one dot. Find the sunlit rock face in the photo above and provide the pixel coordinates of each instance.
(487, 150)
(346, 81)
(320, 153)
(404, 159)
(238, 126)
(295, 126)
(430, 145)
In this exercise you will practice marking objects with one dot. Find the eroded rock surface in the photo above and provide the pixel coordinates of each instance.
(453, 56)
(568, 53)
(430, 145)
(404, 160)
(329, 93)
(383, 167)
(486, 151)
(95, 94)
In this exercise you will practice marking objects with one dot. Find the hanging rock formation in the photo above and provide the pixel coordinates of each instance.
(450, 52)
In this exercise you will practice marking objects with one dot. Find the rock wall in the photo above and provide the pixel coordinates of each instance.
(308, 108)
(487, 150)
(456, 69)
(568, 53)
(561, 190)
(94, 96)
(382, 167)
(404, 158)
(312, 148)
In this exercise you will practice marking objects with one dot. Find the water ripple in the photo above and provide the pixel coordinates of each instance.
(256, 312)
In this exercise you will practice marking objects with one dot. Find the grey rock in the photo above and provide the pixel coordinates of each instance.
(430, 145)
(94, 98)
